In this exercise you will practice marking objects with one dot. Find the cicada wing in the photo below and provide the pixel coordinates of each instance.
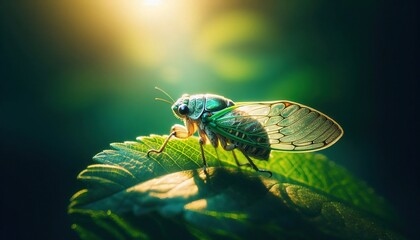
(289, 126)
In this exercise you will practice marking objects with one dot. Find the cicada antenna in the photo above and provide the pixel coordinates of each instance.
(173, 101)
(163, 100)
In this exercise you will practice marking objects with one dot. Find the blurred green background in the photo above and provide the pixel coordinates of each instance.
(78, 75)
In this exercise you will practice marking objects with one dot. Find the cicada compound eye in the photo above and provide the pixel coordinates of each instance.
(183, 109)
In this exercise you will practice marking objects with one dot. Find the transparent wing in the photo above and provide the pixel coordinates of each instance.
(289, 126)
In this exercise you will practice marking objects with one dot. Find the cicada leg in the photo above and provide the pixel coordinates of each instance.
(178, 131)
(163, 145)
(203, 157)
(182, 132)
(255, 167)
(237, 162)
(231, 147)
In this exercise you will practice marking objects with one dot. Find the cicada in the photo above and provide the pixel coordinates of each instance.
(253, 128)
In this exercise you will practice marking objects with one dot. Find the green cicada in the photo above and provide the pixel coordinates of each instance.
(253, 128)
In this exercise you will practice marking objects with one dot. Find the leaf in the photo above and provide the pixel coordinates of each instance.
(167, 195)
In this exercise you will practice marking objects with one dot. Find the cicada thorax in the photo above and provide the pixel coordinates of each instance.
(247, 133)
(200, 103)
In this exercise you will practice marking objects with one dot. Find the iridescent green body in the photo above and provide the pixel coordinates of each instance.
(254, 128)
(201, 103)
(243, 128)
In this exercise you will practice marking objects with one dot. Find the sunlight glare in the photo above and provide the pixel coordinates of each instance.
(152, 2)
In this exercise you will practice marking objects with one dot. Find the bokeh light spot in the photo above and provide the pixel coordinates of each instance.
(236, 45)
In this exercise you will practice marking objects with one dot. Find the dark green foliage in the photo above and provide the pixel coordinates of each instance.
(131, 196)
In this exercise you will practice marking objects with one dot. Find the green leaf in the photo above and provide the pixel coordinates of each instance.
(129, 195)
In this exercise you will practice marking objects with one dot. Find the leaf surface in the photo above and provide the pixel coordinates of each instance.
(129, 195)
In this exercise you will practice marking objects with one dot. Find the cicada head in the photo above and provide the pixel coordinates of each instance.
(189, 106)
(180, 107)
